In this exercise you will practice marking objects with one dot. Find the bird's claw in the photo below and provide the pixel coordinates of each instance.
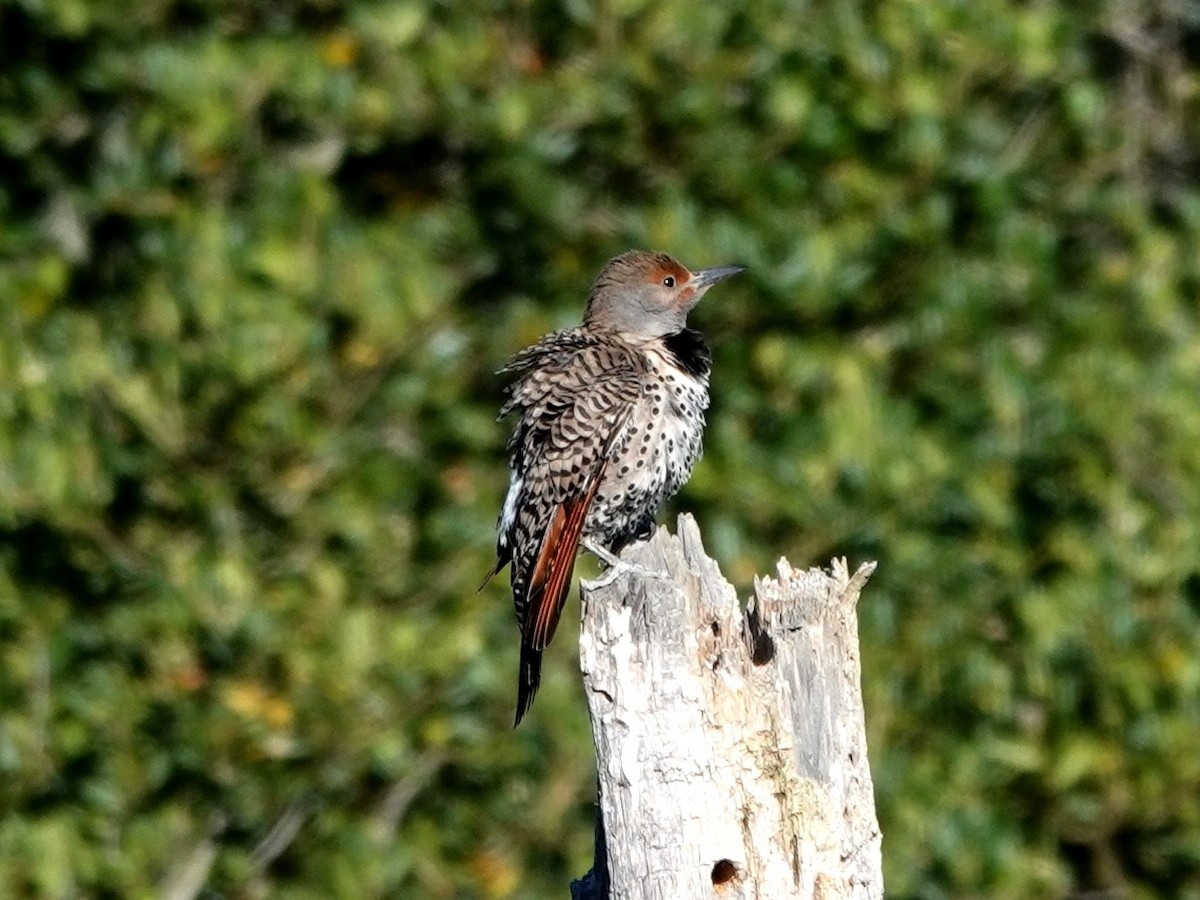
(615, 568)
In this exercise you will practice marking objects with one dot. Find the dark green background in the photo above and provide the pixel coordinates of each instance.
(259, 260)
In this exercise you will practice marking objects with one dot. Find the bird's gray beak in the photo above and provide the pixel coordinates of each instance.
(702, 279)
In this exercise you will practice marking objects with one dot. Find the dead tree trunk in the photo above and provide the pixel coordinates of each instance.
(730, 747)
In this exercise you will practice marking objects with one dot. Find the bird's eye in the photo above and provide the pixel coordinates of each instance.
(669, 281)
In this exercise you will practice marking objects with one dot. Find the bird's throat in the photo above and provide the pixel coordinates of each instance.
(690, 352)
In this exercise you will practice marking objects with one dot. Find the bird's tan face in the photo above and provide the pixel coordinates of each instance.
(648, 294)
(668, 287)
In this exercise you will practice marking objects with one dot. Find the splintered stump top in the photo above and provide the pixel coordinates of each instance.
(731, 749)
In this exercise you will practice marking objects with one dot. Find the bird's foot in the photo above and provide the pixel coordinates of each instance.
(615, 568)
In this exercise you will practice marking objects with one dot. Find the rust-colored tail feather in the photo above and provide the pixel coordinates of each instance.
(549, 586)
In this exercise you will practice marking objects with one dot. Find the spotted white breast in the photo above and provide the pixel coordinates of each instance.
(659, 446)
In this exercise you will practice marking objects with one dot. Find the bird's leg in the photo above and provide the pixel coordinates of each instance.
(615, 567)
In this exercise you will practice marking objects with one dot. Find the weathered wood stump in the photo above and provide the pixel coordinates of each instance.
(731, 750)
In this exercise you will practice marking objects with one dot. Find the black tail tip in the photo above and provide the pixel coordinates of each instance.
(521, 710)
(528, 679)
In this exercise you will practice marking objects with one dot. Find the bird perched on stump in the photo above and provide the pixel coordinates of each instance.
(610, 420)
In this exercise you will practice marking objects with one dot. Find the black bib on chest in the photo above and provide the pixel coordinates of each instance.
(690, 351)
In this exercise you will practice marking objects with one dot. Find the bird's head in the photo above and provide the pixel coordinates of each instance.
(648, 295)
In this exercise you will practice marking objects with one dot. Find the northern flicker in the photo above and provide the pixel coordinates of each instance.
(610, 420)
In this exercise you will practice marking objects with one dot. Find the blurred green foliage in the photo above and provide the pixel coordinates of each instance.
(258, 261)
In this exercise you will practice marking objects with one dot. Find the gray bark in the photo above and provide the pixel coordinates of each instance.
(731, 750)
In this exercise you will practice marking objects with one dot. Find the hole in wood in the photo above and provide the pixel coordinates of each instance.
(762, 645)
(716, 629)
(763, 650)
(723, 872)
